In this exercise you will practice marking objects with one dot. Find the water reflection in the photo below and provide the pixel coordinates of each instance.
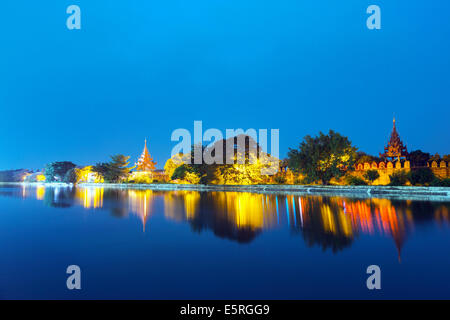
(140, 203)
(332, 223)
(90, 197)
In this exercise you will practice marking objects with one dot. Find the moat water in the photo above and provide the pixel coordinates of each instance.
(143, 244)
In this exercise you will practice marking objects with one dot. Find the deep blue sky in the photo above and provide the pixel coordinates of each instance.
(141, 69)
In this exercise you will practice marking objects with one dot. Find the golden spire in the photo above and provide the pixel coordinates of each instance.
(145, 162)
(395, 147)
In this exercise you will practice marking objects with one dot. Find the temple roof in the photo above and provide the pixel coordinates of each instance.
(145, 162)
(395, 137)
(395, 147)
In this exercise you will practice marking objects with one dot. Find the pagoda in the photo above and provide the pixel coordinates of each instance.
(395, 148)
(145, 162)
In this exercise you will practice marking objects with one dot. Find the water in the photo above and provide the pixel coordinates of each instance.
(142, 244)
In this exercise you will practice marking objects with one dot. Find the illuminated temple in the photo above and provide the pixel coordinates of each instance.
(396, 158)
(145, 162)
(395, 148)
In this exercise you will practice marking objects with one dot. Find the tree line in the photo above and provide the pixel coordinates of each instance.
(322, 159)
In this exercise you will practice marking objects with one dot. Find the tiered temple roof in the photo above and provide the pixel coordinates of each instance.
(395, 148)
(145, 162)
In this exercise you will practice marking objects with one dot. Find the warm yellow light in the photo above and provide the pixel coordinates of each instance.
(40, 192)
(141, 177)
(90, 197)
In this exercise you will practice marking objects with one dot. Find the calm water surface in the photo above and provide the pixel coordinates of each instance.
(205, 245)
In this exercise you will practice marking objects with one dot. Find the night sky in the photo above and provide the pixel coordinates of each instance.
(140, 69)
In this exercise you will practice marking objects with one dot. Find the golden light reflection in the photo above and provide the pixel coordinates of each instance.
(140, 203)
(40, 192)
(246, 210)
(181, 205)
(442, 215)
(90, 197)
(191, 202)
(333, 216)
(329, 221)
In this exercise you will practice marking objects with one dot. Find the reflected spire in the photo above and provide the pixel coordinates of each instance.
(399, 240)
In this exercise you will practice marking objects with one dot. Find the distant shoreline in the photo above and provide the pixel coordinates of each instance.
(401, 192)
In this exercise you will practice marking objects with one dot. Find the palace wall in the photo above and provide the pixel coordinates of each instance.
(441, 170)
(385, 169)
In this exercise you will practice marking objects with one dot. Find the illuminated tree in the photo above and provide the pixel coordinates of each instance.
(323, 157)
(176, 161)
(254, 167)
(241, 173)
(399, 178)
(371, 175)
(355, 181)
(87, 174)
(186, 173)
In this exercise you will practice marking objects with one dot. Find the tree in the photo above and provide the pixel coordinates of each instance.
(371, 175)
(174, 162)
(280, 179)
(114, 171)
(362, 157)
(71, 176)
(355, 181)
(179, 172)
(436, 158)
(187, 173)
(100, 168)
(241, 173)
(323, 157)
(421, 176)
(117, 168)
(55, 171)
(14, 175)
(418, 158)
(191, 173)
(255, 166)
(398, 178)
(440, 182)
(169, 168)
